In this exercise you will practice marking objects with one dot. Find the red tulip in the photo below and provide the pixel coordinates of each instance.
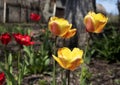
(2, 78)
(5, 38)
(35, 17)
(23, 39)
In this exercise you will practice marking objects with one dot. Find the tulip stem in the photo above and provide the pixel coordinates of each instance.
(68, 76)
(19, 67)
(6, 60)
(54, 72)
(54, 66)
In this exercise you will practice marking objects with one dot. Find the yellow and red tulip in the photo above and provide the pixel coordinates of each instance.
(95, 22)
(68, 59)
(61, 27)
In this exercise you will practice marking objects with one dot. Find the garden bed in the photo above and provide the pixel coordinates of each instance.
(101, 71)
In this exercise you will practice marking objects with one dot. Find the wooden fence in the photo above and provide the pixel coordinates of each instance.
(18, 12)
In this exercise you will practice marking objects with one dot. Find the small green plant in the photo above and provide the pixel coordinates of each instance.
(117, 81)
(85, 75)
(8, 71)
(108, 45)
(42, 82)
(38, 61)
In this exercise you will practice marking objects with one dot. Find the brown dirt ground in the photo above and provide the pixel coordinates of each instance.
(102, 72)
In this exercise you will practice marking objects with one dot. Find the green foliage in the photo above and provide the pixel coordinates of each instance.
(25, 60)
(14, 29)
(38, 61)
(8, 71)
(107, 46)
(42, 82)
(85, 75)
(117, 81)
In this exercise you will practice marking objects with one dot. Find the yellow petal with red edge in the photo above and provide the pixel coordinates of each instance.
(89, 23)
(100, 27)
(63, 63)
(59, 26)
(70, 33)
(101, 21)
(95, 22)
(76, 54)
(54, 28)
(68, 59)
(75, 64)
(100, 17)
(64, 53)
(65, 28)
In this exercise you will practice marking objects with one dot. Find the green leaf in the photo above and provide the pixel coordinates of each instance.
(9, 76)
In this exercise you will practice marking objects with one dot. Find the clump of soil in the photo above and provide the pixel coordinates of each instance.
(104, 73)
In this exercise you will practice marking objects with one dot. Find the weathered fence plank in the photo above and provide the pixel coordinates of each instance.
(18, 10)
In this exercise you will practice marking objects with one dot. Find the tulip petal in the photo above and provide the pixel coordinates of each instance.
(54, 28)
(64, 53)
(88, 21)
(99, 27)
(101, 21)
(5, 38)
(75, 64)
(35, 17)
(61, 63)
(77, 53)
(2, 78)
(70, 33)
(65, 28)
